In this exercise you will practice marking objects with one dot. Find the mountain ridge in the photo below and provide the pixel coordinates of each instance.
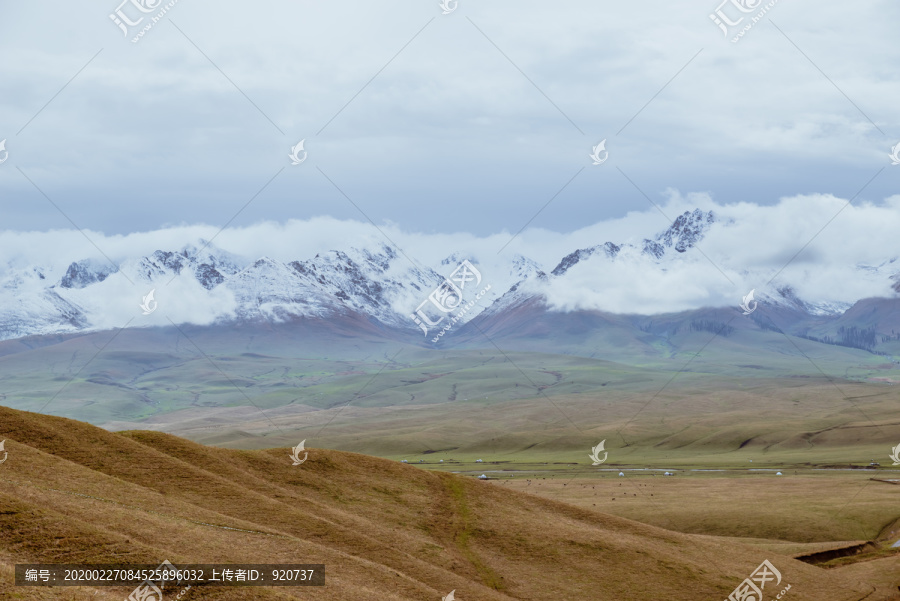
(216, 286)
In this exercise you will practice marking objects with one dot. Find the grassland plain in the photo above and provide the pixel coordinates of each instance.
(803, 507)
(530, 416)
(697, 422)
(127, 375)
(72, 492)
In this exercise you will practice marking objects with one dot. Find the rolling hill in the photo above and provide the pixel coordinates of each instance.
(71, 492)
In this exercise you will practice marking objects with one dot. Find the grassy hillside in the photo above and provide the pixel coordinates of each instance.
(129, 375)
(696, 421)
(71, 492)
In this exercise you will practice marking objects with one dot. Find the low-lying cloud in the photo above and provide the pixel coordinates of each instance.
(826, 249)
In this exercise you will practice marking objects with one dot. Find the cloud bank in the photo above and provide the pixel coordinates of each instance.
(448, 134)
(827, 249)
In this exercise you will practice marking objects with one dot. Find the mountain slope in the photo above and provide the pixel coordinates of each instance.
(74, 493)
(202, 284)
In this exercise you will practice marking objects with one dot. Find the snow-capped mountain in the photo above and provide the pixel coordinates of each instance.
(686, 231)
(210, 267)
(86, 272)
(370, 282)
(201, 283)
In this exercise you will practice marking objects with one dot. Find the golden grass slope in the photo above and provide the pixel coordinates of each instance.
(71, 492)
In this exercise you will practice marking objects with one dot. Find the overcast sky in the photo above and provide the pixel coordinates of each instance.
(467, 122)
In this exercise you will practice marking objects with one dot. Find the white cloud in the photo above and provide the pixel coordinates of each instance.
(449, 136)
(827, 249)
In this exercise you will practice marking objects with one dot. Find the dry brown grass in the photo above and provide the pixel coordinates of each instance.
(806, 507)
(384, 530)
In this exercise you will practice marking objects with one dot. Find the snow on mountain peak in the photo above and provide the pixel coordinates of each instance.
(687, 230)
(684, 233)
(201, 283)
(86, 272)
